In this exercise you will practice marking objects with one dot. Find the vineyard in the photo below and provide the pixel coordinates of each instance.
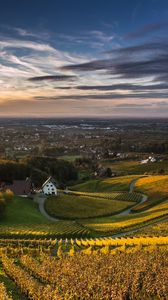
(154, 230)
(79, 259)
(125, 167)
(40, 231)
(120, 183)
(121, 196)
(156, 187)
(125, 223)
(75, 205)
(103, 268)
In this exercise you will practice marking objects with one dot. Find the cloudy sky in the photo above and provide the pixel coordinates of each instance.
(84, 58)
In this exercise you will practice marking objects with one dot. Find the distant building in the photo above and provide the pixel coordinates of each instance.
(49, 187)
(148, 160)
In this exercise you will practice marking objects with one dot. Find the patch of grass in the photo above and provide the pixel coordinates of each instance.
(22, 210)
(121, 183)
(80, 206)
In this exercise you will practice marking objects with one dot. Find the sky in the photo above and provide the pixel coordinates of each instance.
(84, 58)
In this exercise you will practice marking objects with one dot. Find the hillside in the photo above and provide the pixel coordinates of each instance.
(121, 183)
(124, 167)
(32, 247)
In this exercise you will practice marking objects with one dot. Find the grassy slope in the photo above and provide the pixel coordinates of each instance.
(156, 187)
(120, 223)
(78, 206)
(22, 211)
(106, 185)
(23, 218)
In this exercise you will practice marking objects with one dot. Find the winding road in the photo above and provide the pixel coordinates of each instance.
(131, 190)
(40, 199)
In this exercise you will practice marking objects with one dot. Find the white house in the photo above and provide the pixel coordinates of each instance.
(49, 187)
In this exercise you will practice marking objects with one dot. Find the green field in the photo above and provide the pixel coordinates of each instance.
(22, 211)
(82, 206)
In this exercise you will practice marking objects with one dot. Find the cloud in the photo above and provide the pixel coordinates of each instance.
(147, 29)
(135, 74)
(124, 86)
(109, 96)
(91, 39)
(53, 78)
(152, 62)
(156, 46)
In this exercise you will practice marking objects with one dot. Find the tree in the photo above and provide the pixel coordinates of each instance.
(2, 206)
(8, 195)
(108, 172)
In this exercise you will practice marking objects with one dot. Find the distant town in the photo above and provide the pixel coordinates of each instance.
(95, 138)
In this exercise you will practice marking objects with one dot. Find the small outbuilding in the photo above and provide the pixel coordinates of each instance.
(49, 187)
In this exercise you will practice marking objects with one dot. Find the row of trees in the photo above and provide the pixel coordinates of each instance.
(38, 168)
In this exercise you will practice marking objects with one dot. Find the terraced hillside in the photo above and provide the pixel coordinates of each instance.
(118, 224)
(40, 258)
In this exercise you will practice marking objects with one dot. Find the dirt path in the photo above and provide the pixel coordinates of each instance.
(40, 199)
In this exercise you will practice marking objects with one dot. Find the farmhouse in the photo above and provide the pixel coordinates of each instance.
(49, 187)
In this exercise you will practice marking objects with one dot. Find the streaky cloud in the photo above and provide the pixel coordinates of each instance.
(53, 78)
(133, 87)
(147, 29)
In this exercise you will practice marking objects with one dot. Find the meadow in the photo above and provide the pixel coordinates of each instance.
(22, 211)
